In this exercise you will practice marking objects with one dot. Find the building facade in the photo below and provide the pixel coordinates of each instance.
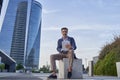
(20, 32)
(1, 2)
(95, 59)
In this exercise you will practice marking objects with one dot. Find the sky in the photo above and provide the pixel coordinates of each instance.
(92, 23)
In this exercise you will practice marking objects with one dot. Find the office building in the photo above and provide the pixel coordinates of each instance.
(20, 32)
(1, 1)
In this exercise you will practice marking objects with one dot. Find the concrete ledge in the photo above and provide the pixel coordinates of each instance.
(118, 69)
(77, 70)
(90, 64)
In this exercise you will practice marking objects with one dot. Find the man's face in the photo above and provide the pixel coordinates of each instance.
(64, 32)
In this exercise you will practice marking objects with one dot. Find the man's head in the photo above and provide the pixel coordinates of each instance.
(64, 31)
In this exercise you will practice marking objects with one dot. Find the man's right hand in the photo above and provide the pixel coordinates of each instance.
(68, 46)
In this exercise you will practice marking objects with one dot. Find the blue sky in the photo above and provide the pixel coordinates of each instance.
(92, 23)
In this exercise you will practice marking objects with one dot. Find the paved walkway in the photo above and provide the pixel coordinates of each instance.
(43, 76)
(85, 77)
(18, 76)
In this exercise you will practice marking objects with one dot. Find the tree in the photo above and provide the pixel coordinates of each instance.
(45, 69)
(19, 66)
(2, 66)
(109, 55)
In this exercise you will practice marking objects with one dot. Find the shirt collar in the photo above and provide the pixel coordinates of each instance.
(65, 38)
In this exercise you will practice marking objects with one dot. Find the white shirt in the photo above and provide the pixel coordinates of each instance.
(64, 43)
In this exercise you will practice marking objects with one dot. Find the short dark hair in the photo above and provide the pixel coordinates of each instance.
(64, 28)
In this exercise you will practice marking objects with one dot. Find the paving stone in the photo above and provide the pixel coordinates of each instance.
(20, 77)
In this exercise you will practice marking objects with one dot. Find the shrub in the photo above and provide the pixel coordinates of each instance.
(109, 55)
(19, 66)
(2, 67)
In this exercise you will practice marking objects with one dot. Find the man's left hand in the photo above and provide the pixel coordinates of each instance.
(68, 46)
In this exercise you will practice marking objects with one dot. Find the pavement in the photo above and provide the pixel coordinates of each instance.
(18, 76)
(43, 76)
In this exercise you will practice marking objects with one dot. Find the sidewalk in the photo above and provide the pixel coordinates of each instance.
(18, 76)
(85, 77)
(43, 76)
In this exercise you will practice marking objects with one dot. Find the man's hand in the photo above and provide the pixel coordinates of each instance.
(68, 46)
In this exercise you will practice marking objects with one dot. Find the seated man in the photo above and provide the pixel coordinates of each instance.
(66, 46)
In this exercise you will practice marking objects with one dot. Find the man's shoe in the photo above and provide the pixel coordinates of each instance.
(52, 76)
(69, 75)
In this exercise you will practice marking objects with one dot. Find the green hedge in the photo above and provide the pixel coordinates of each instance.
(109, 55)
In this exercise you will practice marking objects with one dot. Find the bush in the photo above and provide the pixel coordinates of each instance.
(19, 66)
(45, 69)
(2, 67)
(108, 57)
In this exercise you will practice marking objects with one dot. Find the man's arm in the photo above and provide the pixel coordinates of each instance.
(59, 46)
(73, 44)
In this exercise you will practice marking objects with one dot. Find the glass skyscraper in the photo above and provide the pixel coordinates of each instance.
(20, 33)
(1, 1)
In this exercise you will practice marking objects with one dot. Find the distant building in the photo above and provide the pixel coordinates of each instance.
(95, 59)
(10, 64)
(20, 32)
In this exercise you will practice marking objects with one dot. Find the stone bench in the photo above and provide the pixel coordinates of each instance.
(77, 70)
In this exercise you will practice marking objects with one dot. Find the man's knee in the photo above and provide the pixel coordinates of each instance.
(70, 51)
(52, 56)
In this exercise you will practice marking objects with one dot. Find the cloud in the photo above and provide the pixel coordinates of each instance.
(46, 11)
(96, 27)
(98, 3)
(101, 4)
(51, 29)
(89, 49)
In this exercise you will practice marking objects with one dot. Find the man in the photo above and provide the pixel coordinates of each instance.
(66, 46)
